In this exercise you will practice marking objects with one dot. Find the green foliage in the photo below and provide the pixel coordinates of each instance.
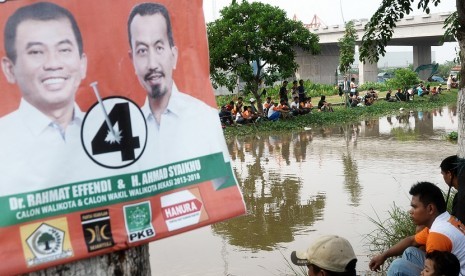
(347, 47)
(451, 24)
(341, 115)
(312, 89)
(390, 231)
(453, 136)
(444, 69)
(379, 86)
(255, 42)
(403, 78)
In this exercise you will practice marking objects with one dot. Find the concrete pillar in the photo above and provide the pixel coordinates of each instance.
(368, 72)
(318, 68)
(421, 56)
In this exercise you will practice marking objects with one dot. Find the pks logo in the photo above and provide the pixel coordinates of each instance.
(138, 220)
(97, 230)
(46, 242)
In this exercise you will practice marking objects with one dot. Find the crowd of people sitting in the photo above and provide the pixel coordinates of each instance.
(238, 113)
(409, 94)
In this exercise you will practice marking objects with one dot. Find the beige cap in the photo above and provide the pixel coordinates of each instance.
(329, 252)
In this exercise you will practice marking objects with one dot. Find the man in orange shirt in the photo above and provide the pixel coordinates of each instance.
(442, 232)
(247, 115)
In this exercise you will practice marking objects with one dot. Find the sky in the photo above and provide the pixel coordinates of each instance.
(335, 12)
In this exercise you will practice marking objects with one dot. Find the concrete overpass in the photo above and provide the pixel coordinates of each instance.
(421, 32)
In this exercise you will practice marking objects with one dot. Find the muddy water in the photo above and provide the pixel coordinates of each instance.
(301, 185)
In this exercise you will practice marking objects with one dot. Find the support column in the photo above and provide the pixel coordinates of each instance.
(421, 56)
(367, 72)
(318, 68)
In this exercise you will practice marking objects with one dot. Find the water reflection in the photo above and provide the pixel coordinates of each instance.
(273, 198)
(351, 183)
(301, 185)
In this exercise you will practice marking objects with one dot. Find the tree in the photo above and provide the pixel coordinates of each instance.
(133, 261)
(444, 69)
(403, 78)
(379, 31)
(347, 47)
(46, 238)
(347, 52)
(255, 42)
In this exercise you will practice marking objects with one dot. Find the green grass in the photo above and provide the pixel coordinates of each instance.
(389, 232)
(343, 115)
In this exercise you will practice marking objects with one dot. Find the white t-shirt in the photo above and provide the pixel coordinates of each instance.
(189, 128)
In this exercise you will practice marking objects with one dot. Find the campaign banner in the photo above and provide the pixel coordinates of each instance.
(110, 131)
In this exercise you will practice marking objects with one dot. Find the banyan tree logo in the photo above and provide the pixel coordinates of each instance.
(46, 243)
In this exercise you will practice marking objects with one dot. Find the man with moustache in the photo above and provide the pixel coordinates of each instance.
(180, 127)
(45, 59)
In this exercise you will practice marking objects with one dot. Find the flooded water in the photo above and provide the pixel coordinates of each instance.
(301, 185)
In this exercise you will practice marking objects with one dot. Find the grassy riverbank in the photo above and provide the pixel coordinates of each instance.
(342, 115)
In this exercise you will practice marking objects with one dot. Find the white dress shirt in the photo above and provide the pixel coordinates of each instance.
(188, 129)
(36, 153)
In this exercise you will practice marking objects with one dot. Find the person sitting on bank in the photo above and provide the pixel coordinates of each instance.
(284, 109)
(274, 112)
(449, 170)
(247, 115)
(368, 100)
(440, 88)
(422, 90)
(306, 106)
(401, 96)
(442, 232)
(295, 106)
(354, 101)
(267, 105)
(226, 117)
(329, 255)
(238, 106)
(441, 263)
(255, 113)
(238, 117)
(327, 107)
(389, 98)
(321, 102)
(373, 93)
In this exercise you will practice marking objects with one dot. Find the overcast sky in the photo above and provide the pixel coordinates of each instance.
(334, 12)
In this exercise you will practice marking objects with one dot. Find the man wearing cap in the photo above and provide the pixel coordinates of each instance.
(328, 255)
(252, 104)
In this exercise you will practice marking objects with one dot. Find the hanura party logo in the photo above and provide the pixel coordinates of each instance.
(182, 209)
(46, 242)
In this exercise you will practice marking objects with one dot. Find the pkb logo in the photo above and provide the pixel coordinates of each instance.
(138, 221)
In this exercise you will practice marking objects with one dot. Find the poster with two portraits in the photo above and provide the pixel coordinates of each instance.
(110, 136)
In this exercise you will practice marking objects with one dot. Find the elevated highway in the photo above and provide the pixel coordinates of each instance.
(420, 31)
